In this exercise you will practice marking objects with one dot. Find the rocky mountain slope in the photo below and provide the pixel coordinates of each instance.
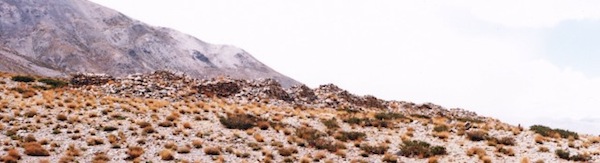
(165, 117)
(60, 37)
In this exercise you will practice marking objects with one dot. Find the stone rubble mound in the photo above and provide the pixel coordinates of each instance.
(168, 85)
(90, 79)
(336, 97)
(219, 88)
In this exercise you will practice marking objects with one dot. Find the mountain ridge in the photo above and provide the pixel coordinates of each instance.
(57, 38)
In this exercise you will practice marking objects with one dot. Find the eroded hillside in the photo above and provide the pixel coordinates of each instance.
(169, 117)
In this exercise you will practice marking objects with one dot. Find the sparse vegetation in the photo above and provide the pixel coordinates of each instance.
(420, 149)
(330, 123)
(21, 78)
(287, 151)
(103, 124)
(238, 121)
(370, 149)
(388, 116)
(351, 135)
(468, 119)
(549, 132)
(166, 155)
(54, 83)
(441, 128)
(35, 149)
(212, 150)
(565, 154)
(507, 141)
(477, 135)
(134, 152)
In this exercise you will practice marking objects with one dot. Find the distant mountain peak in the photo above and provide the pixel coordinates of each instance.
(61, 37)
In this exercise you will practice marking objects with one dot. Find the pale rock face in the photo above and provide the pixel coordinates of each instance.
(60, 37)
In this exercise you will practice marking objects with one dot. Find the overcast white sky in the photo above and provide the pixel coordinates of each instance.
(524, 62)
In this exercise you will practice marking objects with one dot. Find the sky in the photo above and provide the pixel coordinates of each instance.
(523, 62)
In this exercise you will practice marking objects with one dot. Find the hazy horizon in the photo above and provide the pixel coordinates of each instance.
(531, 62)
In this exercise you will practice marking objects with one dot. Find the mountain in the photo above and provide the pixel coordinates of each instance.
(61, 37)
(166, 117)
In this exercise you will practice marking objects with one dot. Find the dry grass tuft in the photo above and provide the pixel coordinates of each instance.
(197, 143)
(134, 152)
(390, 158)
(539, 139)
(287, 151)
(73, 151)
(184, 149)
(100, 157)
(476, 151)
(212, 150)
(166, 155)
(12, 155)
(35, 149)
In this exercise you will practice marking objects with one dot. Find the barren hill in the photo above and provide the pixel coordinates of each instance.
(60, 37)
(163, 117)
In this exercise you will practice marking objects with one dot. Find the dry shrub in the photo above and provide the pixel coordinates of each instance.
(287, 151)
(259, 138)
(184, 149)
(35, 149)
(8, 159)
(352, 135)
(100, 157)
(238, 121)
(72, 151)
(442, 135)
(29, 138)
(166, 154)
(420, 149)
(380, 149)
(187, 125)
(476, 151)
(92, 141)
(390, 158)
(486, 159)
(506, 151)
(539, 139)
(143, 124)
(66, 159)
(12, 156)
(61, 117)
(319, 156)
(507, 141)
(165, 124)
(543, 149)
(477, 135)
(197, 143)
(112, 139)
(30, 113)
(212, 150)
(170, 145)
(134, 152)
(148, 130)
(263, 125)
(433, 160)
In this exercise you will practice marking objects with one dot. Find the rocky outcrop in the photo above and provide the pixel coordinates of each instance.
(226, 88)
(62, 37)
(90, 79)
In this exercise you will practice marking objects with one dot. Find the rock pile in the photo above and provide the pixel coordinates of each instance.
(167, 85)
(90, 79)
(221, 88)
(303, 94)
(336, 97)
